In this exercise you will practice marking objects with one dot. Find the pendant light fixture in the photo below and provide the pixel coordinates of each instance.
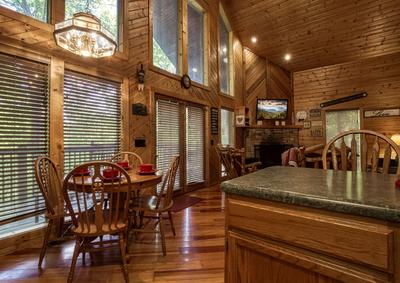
(85, 36)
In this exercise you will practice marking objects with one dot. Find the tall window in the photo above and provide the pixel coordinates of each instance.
(24, 117)
(165, 35)
(196, 57)
(225, 50)
(37, 9)
(194, 145)
(227, 127)
(168, 135)
(92, 119)
(341, 121)
(105, 10)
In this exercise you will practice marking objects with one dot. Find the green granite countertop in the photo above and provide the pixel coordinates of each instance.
(365, 194)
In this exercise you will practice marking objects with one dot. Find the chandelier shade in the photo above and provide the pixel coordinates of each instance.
(83, 35)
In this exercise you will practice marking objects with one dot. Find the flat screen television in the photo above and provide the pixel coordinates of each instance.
(272, 109)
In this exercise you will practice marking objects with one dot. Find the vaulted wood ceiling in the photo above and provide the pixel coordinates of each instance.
(317, 32)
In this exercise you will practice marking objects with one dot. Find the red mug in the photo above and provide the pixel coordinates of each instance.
(110, 173)
(146, 167)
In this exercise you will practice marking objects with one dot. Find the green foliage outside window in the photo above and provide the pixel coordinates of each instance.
(161, 60)
(105, 10)
(33, 8)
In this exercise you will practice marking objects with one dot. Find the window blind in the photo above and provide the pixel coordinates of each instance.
(167, 135)
(92, 119)
(194, 145)
(24, 124)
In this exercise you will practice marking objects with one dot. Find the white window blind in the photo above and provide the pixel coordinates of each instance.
(92, 119)
(24, 102)
(194, 145)
(167, 135)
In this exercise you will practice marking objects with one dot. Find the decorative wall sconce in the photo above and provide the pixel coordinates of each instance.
(140, 75)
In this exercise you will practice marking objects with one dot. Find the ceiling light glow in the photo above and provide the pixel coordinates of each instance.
(253, 39)
(288, 57)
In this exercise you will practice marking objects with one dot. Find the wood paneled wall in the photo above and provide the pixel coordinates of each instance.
(27, 37)
(379, 77)
(264, 79)
(159, 82)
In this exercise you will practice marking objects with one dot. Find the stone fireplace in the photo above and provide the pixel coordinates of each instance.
(267, 145)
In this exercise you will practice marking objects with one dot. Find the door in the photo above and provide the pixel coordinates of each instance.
(180, 130)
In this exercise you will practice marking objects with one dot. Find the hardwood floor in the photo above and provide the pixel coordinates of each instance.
(196, 254)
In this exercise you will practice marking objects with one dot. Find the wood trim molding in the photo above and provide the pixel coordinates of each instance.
(26, 19)
(56, 114)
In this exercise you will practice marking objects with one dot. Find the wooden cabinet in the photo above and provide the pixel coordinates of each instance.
(278, 243)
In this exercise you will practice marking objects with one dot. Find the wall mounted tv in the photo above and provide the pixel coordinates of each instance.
(272, 109)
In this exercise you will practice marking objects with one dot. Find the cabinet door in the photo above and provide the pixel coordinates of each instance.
(251, 260)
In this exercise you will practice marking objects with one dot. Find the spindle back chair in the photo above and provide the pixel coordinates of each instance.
(50, 186)
(159, 204)
(133, 159)
(369, 149)
(101, 207)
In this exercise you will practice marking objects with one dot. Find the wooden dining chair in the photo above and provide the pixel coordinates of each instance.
(50, 186)
(371, 145)
(159, 204)
(85, 197)
(226, 157)
(133, 159)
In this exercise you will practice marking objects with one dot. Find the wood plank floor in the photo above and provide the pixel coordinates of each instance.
(196, 254)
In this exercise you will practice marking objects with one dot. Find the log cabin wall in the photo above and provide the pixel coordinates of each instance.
(379, 77)
(264, 79)
(160, 82)
(26, 37)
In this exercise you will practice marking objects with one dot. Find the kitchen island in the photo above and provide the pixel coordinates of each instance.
(286, 224)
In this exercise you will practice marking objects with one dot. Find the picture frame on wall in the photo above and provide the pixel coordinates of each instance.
(382, 113)
(214, 120)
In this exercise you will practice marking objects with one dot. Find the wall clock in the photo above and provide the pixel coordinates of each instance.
(186, 82)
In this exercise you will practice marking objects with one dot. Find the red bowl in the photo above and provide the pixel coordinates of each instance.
(110, 173)
(146, 167)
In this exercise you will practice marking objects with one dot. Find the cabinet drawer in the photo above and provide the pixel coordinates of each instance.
(359, 241)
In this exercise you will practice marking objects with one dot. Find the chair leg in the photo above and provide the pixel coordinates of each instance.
(60, 227)
(74, 259)
(122, 247)
(45, 242)
(172, 222)
(161, 223)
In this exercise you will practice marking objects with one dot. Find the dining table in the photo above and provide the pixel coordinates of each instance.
(138, 180)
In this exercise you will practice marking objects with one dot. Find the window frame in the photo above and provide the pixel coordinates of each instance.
(180, 55)
(162, 95)
(200, 6)
(222, 15)
(37, 217)
(233, 135)
(360, 117)
(80, 73)
(49, 13)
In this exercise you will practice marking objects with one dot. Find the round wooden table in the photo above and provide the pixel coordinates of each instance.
(138, 181)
